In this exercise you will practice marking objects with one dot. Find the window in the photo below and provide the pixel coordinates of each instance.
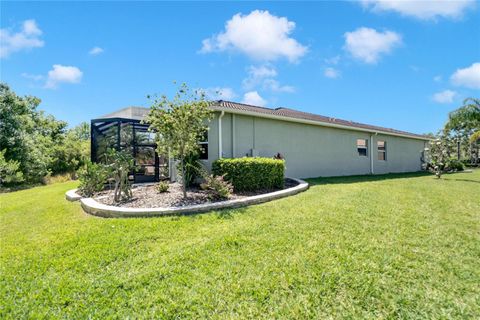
(204, 146)
(362, 145)
(382, 150)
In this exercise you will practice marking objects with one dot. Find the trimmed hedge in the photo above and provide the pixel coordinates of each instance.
(251, 174)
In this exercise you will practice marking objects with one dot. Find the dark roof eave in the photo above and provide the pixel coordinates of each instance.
(304, 117)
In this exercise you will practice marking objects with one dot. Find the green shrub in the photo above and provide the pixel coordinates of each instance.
(455, 165)
(251, 174)
(216, 187)
(163, 186)
(9, 170)
(93, 177)
(119, 164)
(192, 169)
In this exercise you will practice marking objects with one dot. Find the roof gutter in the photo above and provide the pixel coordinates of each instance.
(316, 123)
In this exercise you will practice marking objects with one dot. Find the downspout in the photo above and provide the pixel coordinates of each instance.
(371, 153)
(220, 134)
(233, 136)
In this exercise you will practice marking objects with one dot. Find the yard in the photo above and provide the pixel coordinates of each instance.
(395, 246)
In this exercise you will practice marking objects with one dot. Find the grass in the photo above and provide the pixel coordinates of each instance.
(395, 246)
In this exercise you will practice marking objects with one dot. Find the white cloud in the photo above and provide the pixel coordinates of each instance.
(264, 76)
(219, 93)
(27, 38)
(415, 68)
(333, 60)
(63, 74)
(421, 9)
(445, 96)
(331, 73)
(468, 77)
(260, 35)
(95, 51)
(256, 76)
(253, 98)
(262, 72)
(274, 85)
(437, 78)
(34, 77)
(368, 45)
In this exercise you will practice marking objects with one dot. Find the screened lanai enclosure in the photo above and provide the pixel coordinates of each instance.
(123, 130)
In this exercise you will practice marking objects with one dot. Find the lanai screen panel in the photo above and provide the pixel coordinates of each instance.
(134, 137)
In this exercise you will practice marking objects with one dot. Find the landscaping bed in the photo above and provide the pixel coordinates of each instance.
(147, 196)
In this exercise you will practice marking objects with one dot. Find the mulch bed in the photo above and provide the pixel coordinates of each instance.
(147, 196)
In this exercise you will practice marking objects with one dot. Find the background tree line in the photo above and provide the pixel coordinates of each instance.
(458, 144)
(34, 145)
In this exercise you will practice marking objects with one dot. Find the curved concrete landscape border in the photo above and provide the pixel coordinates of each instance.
(72, 195)
(93, 207)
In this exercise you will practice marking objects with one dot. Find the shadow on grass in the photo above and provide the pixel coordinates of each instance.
(462, 180)
(229, 213)
(365, 178)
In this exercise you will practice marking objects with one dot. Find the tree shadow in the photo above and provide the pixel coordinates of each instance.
(365, 178)
(462, 180)
(230, 213)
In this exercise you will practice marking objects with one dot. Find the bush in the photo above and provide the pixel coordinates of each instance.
(216, 187)
(163, 186)
(251, 174)
(192, 169)
(92, 178)
(9, 171)
(119, 164)
(455, 165)
(57, 178)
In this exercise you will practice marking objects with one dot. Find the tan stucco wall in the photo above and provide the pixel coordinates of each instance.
(310, 150)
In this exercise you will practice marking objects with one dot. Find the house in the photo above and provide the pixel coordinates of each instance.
(312, 145)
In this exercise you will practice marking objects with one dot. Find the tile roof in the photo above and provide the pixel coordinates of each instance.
(139, 113)
(300, 115)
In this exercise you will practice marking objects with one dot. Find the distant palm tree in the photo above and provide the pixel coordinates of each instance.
(466, 117)
(465, 121)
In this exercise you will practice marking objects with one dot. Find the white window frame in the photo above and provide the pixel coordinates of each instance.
(362, 147)
(382, 151)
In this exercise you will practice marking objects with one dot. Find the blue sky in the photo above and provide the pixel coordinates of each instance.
(401, 65)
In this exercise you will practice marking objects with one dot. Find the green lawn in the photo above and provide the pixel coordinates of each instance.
(397, 246)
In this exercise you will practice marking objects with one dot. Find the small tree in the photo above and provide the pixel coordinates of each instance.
(439, 152)
(119, 164)
(179, 124)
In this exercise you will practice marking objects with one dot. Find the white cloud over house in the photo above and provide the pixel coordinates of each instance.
(275, 86)
(253, 98)
(421, 9)
(333, 60)
(445, 96)
(264, 77)
(63, 74)
(331, 73)
(34, 77)
(468, 77)
(259, 35)
(219, 93)
(27, 38)
(369, 45)
(95, 51)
